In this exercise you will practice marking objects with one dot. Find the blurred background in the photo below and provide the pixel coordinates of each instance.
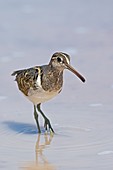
(30, 32)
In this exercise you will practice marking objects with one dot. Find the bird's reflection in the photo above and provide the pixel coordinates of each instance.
(41, 162)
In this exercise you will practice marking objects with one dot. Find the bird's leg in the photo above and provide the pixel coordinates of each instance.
(47, 122)
(36, 118)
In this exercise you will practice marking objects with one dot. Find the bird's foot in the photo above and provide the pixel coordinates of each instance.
(47, 125)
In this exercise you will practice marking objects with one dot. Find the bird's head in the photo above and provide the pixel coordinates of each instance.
(61, 61)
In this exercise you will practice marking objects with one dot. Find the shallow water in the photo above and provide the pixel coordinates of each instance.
(82, 115)
(81, 141)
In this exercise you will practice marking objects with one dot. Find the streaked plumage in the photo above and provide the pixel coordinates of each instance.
(41, 83)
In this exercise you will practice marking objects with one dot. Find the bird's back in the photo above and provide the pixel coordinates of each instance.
(39, 80)
(26, 79)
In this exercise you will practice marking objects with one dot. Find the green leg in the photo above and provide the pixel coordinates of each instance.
(47, 122)
(36, 118)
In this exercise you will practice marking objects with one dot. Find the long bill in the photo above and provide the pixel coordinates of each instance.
(69, 67)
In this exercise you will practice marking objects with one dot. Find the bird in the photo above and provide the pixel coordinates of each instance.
(41, 83)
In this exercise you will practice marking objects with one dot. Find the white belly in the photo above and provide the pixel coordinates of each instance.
(40, 96)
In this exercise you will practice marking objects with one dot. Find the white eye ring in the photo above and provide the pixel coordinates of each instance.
(59, 60)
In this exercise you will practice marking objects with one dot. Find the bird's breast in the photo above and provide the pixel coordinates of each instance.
(52, 81)
(40, 95)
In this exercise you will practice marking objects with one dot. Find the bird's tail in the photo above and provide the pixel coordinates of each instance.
(16, 72)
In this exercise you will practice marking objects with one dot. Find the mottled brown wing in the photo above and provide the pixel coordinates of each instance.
(26, 78)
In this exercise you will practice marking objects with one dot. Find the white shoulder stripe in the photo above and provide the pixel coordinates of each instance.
(39, 78)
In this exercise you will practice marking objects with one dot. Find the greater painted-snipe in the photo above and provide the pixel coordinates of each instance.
(41, 83)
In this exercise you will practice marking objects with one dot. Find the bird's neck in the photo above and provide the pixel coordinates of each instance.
(56, 69)
(53, 79)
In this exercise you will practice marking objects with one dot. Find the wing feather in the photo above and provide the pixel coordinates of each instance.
(26, 78)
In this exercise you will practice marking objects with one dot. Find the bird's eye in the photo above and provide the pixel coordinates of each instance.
(59, 59)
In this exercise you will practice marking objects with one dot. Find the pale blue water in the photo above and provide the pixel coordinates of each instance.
(82, 115)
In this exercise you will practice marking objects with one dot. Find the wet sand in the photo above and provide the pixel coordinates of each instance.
(82, 115)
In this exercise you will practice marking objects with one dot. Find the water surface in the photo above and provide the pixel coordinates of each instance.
(82, 115)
